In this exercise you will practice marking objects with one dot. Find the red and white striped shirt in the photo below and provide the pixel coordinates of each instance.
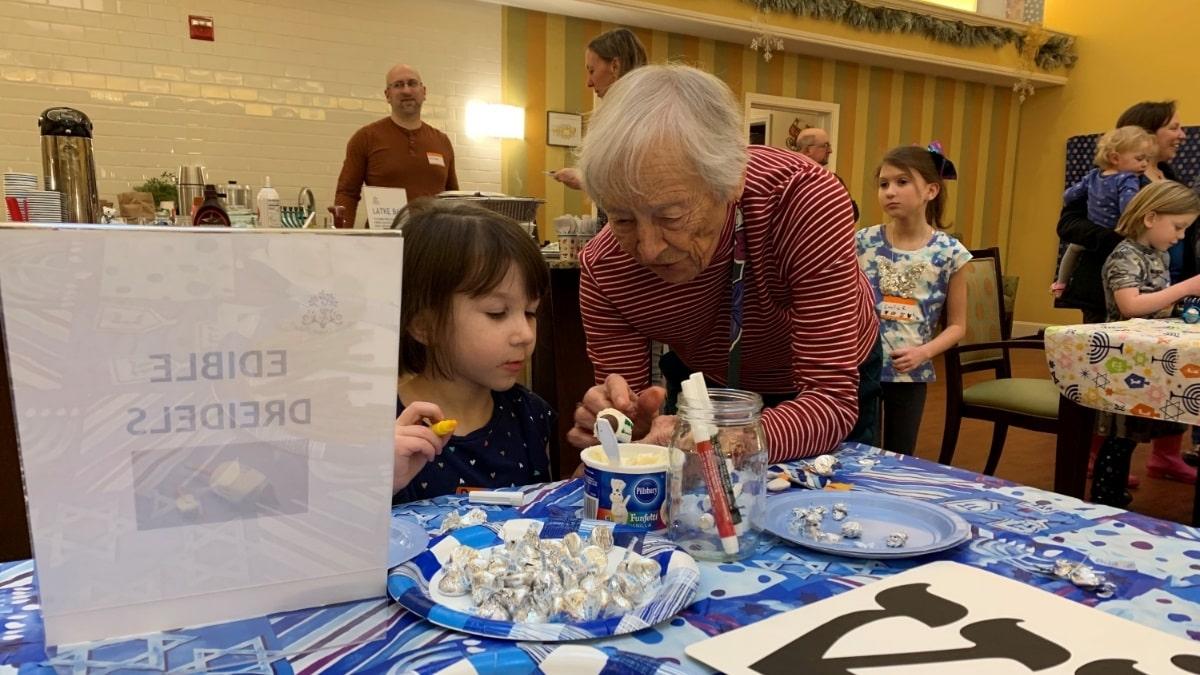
(808, 318)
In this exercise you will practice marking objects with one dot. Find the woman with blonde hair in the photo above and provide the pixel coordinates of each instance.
(611, 55)
(608, 57)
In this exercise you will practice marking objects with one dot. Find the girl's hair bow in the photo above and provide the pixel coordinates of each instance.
(944, 166)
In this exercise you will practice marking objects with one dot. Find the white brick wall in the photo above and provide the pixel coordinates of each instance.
(278, 93)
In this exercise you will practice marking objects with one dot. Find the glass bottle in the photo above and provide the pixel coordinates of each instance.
(740, 442)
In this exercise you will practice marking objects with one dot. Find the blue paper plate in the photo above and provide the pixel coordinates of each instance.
(930, 528)
(551, 659)
(409, 584)
(406, 540)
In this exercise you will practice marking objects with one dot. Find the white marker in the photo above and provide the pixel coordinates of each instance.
(496, 497)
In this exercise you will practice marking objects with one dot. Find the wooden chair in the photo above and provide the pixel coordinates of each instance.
(1010, 303)
(1028, 403)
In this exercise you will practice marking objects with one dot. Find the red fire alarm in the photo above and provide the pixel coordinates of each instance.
(200, 27)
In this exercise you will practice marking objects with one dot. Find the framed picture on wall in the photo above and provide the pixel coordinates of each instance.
(564, 129)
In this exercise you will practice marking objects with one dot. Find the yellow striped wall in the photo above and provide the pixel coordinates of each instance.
(542, 70)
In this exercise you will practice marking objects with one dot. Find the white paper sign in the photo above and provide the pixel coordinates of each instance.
(205, 419)
(945, 618)
(383, 203)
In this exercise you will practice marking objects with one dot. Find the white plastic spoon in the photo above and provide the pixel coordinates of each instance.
(608, 441)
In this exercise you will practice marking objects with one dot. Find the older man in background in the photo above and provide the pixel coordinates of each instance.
(398, 151)
(813, 143)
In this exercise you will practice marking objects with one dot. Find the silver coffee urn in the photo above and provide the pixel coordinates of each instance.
(68, 164)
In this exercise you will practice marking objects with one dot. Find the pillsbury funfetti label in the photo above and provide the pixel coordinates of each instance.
(634, 499)
(630, 492)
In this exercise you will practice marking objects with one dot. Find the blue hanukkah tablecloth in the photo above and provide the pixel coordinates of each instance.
(1017, 532)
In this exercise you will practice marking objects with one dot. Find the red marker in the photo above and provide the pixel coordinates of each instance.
(716, 478)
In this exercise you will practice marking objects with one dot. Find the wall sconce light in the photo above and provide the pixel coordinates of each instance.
(495, 120)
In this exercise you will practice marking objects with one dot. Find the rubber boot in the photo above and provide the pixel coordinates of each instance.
(1165, 461)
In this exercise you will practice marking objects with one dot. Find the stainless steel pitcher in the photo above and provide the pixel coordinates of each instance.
(68, 164)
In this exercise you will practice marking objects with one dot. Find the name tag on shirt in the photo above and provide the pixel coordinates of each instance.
(897, 308)
(436, 159)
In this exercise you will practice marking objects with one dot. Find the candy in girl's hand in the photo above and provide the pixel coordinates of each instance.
(444, 428)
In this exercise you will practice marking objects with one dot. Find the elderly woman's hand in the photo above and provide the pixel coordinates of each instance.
(615, 393)
(660, 432)
(569, 177)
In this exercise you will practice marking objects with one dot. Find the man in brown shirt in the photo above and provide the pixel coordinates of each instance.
(399, 150)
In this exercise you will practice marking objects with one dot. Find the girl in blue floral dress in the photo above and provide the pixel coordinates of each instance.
(913, 267)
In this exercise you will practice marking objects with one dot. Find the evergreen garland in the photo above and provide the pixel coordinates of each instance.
(1057, 52)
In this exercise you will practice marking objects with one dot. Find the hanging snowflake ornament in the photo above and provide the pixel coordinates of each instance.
(1023, 88)
(764, 42)
(767, 44)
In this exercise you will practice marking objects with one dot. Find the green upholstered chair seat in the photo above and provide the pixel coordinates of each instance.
(1030, 396)
(1026, 403)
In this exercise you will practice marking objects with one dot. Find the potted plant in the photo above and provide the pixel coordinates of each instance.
(163, 188)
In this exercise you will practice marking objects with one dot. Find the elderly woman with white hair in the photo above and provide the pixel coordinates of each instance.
(707, 241)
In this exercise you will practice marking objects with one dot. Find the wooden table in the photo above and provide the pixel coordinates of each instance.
(561, 369)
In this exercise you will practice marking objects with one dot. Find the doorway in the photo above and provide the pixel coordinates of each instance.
(777, 120)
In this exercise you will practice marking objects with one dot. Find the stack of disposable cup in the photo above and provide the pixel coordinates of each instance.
(33, 205)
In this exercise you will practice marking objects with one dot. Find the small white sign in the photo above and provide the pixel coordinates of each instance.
(205, 419)
(945, 618)
(383, 203)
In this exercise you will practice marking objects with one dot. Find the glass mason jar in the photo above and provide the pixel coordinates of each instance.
(740, 442)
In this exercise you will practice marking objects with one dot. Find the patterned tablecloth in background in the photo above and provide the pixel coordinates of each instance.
(1144, 367)
(1017, 532)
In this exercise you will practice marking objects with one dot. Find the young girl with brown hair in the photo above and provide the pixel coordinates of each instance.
(913, 267)
(472, 283)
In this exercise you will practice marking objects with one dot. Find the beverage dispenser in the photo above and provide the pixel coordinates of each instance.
(68, 164)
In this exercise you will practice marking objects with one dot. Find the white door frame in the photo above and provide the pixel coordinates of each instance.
(757, 116)
(831, 111)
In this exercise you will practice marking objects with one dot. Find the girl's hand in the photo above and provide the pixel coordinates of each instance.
(908, 358)
(414, 443)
